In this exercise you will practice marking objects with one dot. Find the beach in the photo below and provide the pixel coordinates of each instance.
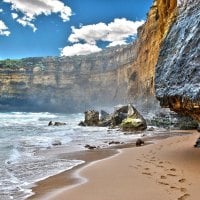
(167, 169)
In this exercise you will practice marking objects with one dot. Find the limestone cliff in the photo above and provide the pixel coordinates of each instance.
(178, 68)
(142, 73)
(65, 84)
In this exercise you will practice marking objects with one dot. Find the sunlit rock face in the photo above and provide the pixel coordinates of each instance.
(177, 79)
(142, 72)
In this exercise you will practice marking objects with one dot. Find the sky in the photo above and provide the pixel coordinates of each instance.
(34, 28)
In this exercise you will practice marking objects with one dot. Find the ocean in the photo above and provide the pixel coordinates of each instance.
(27, 153)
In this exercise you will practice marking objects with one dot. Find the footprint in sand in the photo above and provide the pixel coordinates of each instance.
(160, 166)
(173, 187)
(163, 183)
(163, 177)
(183, 197)
(183, 189)
(173, 169)
(182, 180)
(171, 175)
(147, 173)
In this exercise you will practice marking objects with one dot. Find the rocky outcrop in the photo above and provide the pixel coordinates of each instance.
(172, 120)
(178, 69)
(125, 116)
(91, 118)
(134, 121)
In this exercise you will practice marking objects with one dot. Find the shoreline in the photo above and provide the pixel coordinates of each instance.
(67, 178)
(71, 179)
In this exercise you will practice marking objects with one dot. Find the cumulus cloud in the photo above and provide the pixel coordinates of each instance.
(32, 9)
(115, 33)
(4, 29)
(25, 22)
(1, 10)
(14, 15)
(79, 49)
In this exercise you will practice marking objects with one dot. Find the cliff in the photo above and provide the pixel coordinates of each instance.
(169, 40)
(66, 84)
(69, 84)
(177, 80)
(159, 19)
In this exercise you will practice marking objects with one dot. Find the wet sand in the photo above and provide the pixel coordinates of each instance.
(167, 169)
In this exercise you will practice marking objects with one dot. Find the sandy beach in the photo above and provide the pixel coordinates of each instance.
(167, 170)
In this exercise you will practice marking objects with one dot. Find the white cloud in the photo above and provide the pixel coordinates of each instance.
(32, 9)
(14, 15)
(115, 43)
(25, 22)
(4, 29)
(79, 49)
(1, 10)
(89, 33)
(115, 32)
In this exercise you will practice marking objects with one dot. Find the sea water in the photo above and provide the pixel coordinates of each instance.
(27, 154)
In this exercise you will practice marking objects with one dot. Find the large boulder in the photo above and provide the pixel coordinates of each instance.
(197, 144)
(91, 118)
(119, 115)
(105, 119)
(59, 124)
(134, 120)
(56, 123)
(104, 115)
(56, 143)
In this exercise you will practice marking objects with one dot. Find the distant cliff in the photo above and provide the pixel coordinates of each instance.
(66, 84)
(178, 69)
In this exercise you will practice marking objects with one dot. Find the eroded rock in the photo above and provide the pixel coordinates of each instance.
(59, 123)
(91, 118)
(197, 144)
(119, 115)
(56, 123)
(56, 143)
(177, 80)
(90, 146)
(139, 142)
(134, 120)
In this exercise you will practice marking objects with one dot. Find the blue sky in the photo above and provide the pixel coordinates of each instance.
(67, 27)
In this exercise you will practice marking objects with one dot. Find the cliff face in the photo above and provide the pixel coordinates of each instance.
(160, 17)
(178, 69)
(118, 75)
(69, 84)
(66, 84)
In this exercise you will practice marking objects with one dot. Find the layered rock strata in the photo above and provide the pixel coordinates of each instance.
(70, 84)
(66, 84)
(150, 36)
(178, 69)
